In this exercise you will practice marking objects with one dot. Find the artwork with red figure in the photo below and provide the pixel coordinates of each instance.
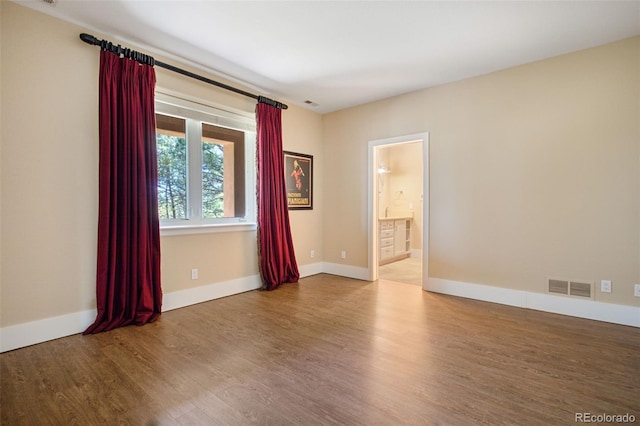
(298, 174)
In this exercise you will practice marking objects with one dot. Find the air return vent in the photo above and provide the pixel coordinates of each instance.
(573, 288)
(558, 286)
(580, 289)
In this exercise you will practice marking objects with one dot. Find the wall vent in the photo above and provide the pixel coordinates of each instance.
(558, 286)
(580, 289)
(573, 288)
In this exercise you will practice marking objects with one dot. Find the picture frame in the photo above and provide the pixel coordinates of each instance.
(298, 173)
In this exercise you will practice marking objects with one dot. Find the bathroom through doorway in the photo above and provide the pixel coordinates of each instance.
(398, 209)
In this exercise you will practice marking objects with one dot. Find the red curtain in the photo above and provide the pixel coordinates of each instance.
(277, 258)
(128, 268)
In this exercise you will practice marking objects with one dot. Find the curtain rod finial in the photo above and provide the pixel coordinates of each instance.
(89, 39)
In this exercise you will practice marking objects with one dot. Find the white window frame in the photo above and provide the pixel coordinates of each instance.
(180, 106)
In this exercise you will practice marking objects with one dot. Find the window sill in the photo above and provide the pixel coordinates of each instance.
(172, 230)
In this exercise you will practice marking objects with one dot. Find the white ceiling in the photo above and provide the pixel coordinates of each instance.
(344, 53)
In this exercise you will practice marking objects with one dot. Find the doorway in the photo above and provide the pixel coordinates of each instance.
(398, 189)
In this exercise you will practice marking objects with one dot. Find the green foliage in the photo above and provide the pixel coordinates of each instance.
(212, 180)
(172, 177)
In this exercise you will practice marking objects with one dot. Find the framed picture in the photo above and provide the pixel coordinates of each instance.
(298, 173)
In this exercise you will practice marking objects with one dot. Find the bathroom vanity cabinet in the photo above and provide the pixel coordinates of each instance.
(395, 239)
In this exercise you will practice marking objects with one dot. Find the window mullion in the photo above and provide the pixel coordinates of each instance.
(194, 142)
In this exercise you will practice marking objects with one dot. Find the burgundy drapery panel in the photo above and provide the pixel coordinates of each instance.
(128, 265)
(277, 257)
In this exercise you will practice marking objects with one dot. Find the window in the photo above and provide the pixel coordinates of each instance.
(205, 164)
(171, 142)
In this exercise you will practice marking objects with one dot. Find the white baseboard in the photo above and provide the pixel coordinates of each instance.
(31, 333)
(348, 271)
(486, 293)
(589, 309)
(191, 296)
(310, 269)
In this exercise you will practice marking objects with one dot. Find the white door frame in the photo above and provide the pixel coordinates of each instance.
(372, 182)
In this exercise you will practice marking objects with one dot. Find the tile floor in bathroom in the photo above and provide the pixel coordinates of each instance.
(404, 271)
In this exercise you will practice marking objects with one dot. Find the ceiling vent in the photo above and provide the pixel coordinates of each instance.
(574, 288)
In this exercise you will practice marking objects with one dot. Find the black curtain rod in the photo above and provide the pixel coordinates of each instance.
(149, 60)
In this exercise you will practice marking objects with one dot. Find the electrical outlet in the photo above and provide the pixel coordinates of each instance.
(312, 254)
(194, 274)
(605, 286)
(343, 254)
(636, 290)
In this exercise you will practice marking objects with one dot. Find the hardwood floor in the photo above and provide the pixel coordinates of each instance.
(333, 351)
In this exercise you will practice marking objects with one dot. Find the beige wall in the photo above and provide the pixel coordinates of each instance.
(534, 172)
(49, 169)
(49, 176)
(302, 133)
(0, 156)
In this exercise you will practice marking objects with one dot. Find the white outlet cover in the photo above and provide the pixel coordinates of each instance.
(636, 290)
(605, 286)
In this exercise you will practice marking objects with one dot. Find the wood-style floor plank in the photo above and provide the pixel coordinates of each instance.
(330, 351)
